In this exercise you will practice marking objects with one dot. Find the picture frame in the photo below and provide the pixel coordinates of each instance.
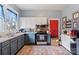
(75, 25)
(64, 19)
(75, 15)
(69, 24)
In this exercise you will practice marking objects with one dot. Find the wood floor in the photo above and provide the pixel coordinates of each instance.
(54, 42)
(43, 50)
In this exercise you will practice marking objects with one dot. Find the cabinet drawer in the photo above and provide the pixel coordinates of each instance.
(5, 43)
(6, 50)
(14, 39)
(13, 43)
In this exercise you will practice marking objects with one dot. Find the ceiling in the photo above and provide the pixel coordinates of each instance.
(53, 7)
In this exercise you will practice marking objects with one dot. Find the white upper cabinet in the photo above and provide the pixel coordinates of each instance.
(30, 22)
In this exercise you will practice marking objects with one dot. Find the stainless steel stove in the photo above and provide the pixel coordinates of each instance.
(41, 38)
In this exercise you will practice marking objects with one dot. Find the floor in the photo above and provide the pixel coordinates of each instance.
(53, 49)
(43, 50)
(54, 42)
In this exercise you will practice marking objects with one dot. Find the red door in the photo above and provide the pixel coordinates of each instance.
(54, 28)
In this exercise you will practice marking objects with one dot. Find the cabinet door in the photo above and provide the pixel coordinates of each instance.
(26, 39)
(13, 46)
(77, 43)
(19, 43)
(6, 49)
(22, 40)
(0, 49)
(5, 43)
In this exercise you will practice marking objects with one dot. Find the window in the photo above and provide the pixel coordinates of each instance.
(1, 19)
(12, 19)
(1, 11)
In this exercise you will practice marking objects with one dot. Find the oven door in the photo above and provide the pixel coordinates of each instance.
(42, 38)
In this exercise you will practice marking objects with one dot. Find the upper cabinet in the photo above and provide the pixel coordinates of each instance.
(31, 22)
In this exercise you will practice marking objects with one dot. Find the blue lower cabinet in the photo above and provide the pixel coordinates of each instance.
(49, 39)
(6, 48)
(14, 46)
(0, 49)
(31, 38)
(26, 39)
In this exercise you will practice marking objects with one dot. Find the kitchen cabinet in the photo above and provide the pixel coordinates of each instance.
(22, 38)
(0, 49)
(20, 41)
(49, 39)
(26, 39)
(13, 46)
(66, 41)
(30, 38)
(6, 48)
(24, 21)
(77, 45)
(16, 44)
(73, 48)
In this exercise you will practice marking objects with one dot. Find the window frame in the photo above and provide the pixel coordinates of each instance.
(12, 12)
(2, 17)
(2, 11)
(9, 10)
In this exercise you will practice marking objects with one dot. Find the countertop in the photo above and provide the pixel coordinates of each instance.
(3, 39)
(8, 38)
(67, 36)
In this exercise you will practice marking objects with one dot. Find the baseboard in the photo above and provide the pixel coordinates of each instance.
(29, 44)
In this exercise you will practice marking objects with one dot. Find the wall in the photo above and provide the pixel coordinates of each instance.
(69, 10)
(30, 13)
